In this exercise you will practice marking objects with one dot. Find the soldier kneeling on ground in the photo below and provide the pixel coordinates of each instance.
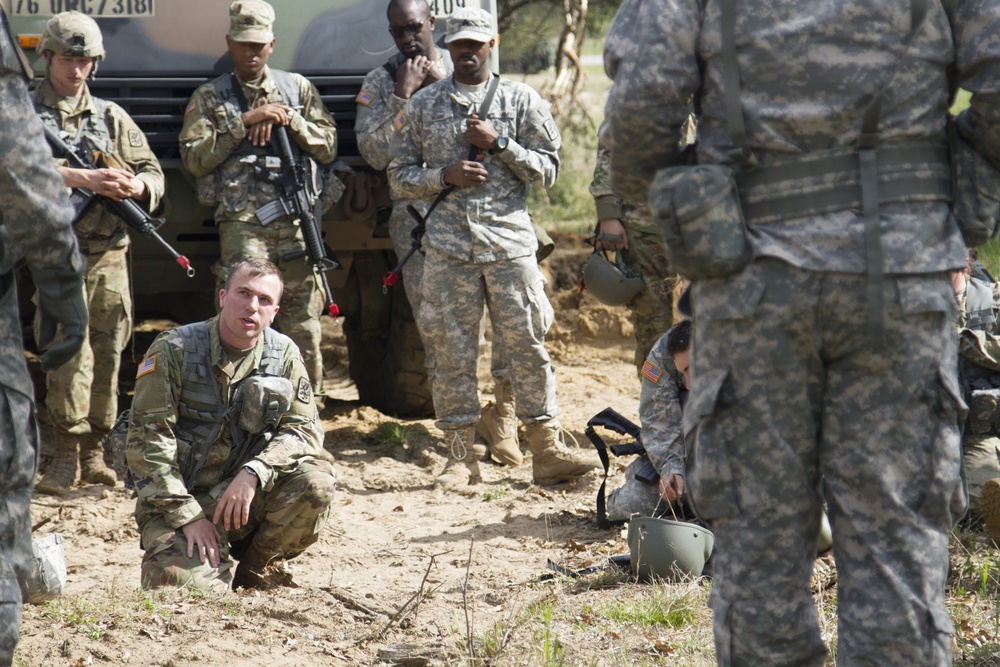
(224, 445)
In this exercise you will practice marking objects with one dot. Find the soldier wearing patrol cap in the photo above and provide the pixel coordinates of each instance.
(35, 218)
(481, 244)
(226, 464)
(82, 397)
(225, 143)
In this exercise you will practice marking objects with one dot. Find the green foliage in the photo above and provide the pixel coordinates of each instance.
(568, 206)
(496, 493)
(389, 436)
(666, 605)
(94, 617)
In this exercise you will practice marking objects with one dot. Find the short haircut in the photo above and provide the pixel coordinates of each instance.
(254, 267)
(679, 338)
(400, 4)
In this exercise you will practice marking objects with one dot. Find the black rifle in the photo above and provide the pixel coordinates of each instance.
(132, 213)
(296, 201)
(612, 420)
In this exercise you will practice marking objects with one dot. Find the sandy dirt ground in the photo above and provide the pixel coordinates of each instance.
(400, 569)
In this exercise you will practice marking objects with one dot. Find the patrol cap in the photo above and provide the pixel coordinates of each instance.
(251, 21)
(72, 34)
(470, 23)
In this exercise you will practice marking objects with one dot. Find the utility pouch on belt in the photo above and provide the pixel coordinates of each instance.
(976, 190)
(698, 212)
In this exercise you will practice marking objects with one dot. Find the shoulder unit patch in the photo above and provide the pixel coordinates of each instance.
(305, 390)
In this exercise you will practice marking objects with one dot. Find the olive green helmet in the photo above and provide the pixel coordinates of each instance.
(609, 281)
(665, 549)
(72, 34)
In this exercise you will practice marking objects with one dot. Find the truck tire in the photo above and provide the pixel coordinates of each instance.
(384, 348)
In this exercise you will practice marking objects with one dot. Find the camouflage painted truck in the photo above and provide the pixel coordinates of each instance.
(159, 51)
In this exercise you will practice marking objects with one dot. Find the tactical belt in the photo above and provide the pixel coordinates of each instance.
(827, 181)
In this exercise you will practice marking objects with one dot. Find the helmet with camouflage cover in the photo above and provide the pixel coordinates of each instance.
(665, 549)
(609, 281)
(72, 34)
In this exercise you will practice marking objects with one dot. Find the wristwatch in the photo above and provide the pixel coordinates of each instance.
(502, 142)
(251, 471)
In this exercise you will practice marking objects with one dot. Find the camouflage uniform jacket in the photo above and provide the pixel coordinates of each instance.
(660, 411)
(209, 136)
(677, 54)
(115, 134)
(154, 453)
(481, 223)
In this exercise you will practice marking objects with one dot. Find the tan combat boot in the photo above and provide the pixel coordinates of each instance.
(498, 427)
(92, 467)
(463, 462)
(59, 476)
(551, 461)
(257, 571)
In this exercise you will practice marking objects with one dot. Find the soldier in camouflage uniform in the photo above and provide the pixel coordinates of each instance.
(830, 358)
(228, 150)
(623, 225)
(190, 462)
(383, 94)
(665, 377)
(35, 226)
(82, 396)
(480, 245)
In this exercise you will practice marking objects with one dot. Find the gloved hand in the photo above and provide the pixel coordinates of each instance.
(63, 311)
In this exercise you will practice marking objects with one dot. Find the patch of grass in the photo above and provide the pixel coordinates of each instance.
(389, 436)
(496, 493)
(94, 617)
(667, 605)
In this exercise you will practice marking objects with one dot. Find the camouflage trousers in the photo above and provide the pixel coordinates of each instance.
(981, 458)
(788, 393)
(513, 290)
(84, 392)
(634, 496)
(652, 309)
(400, 227)
(301, 300)
(283, 522)
(18, 461)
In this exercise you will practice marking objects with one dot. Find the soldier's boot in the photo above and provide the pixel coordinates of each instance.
(259, 571)
(59, 476)
(551, 461)
(499, 427)
(93, 469)
(463, 463)
(989, 506)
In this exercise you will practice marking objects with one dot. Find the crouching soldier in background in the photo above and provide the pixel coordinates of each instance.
(223, 443)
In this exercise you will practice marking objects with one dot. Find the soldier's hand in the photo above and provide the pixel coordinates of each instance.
(107, 182)
(63, 313)
(465, 172)
(610, 231)
(260, 120)
(260, 134)
(234, 505)
(410, 76)
(480, 133)
(671, 487)
(203, 539)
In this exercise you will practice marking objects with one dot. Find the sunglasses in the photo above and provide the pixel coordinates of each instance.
(401, 30)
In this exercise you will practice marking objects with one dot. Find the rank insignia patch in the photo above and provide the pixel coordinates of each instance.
(364, 98)
(146, 367)
(652, 372)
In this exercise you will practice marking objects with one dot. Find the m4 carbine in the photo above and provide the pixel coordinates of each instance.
(132, 213)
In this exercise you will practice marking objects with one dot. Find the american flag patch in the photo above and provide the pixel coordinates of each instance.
(147, 366)
(399, 121)
(364, 97)
(652, 372)
(192, 105)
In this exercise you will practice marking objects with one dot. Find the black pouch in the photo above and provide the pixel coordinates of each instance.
(698, 212)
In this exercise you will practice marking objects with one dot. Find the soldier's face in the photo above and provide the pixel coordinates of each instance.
(471, 60)
(683, 362)
(249, 58)
(68, 74)
(412, 28)
(247, 308)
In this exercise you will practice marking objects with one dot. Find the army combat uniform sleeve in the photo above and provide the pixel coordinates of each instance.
(607, 204)
(533, 151)
(660, 413)
(133, 148)
(152, 449)
(975, 24)
(377, 106)
(313, 129)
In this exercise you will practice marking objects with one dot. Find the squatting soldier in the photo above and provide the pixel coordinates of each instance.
(225, 143)
(82, 398)
(480, 244)
(384, 93)
(824, 347)
(623, 225)
(222, 444)
(35, 226)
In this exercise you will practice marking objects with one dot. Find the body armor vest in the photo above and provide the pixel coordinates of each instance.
(201, 408)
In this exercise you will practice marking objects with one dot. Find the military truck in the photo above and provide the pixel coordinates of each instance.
(159, 51)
